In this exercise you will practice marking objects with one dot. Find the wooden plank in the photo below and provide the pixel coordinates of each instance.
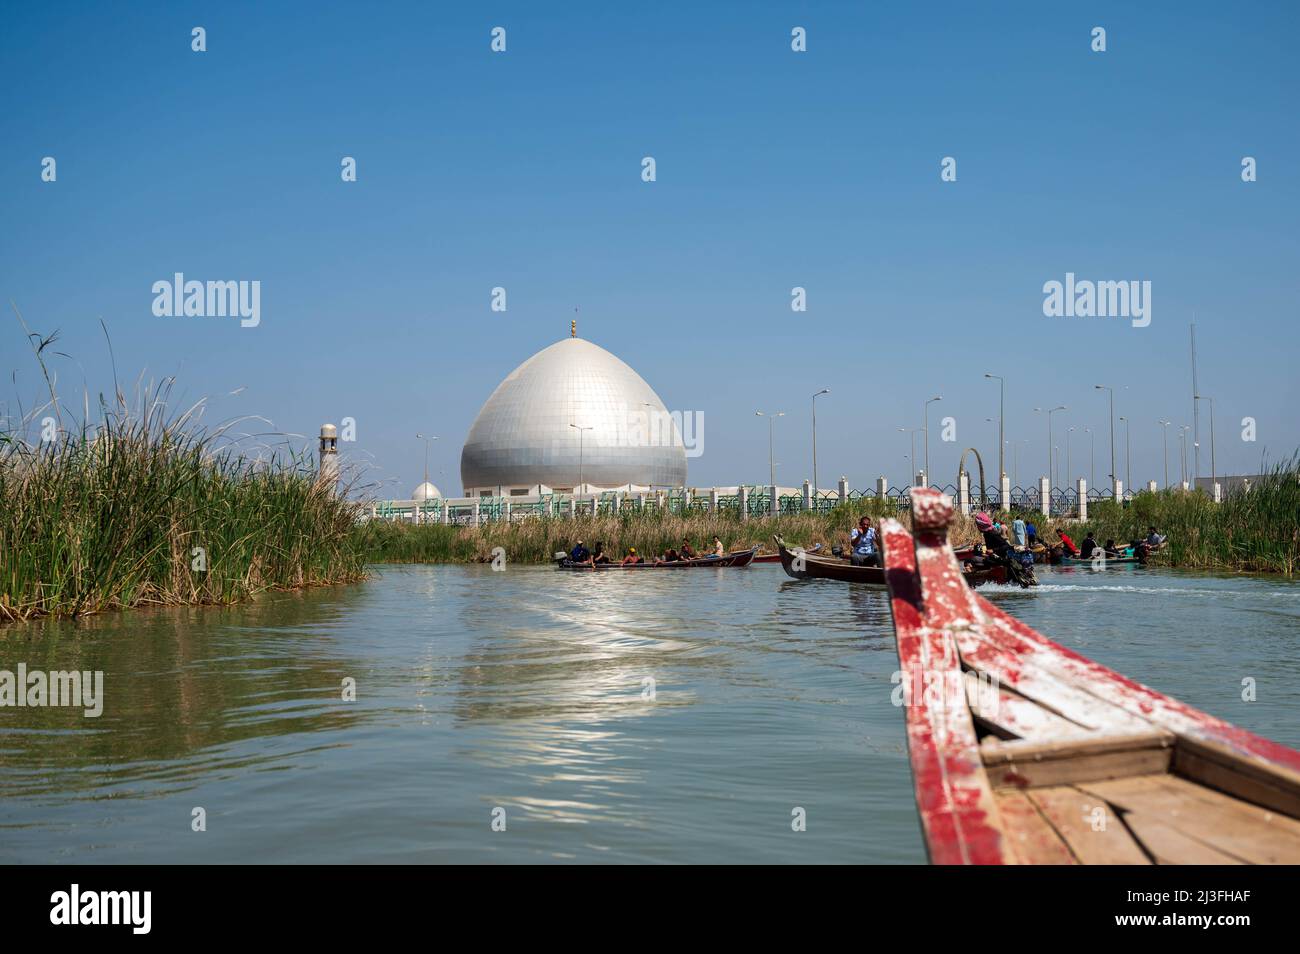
(1271, 786)
(1224, 823)
(1169, 846)
(1030, 836)
(1032, 764)
(1089, 825)
(958, 815)
(1012, 716)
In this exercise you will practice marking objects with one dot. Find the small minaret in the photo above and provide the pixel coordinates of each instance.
(329, 457)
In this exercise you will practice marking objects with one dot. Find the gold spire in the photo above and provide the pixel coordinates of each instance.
(573, 328)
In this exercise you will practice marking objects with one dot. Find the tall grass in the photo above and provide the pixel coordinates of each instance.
(143, 506)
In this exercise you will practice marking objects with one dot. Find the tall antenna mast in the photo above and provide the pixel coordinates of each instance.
(1196, 411)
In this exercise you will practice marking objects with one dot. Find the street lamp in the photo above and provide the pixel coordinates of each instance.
(1103, 387)
(1051, 480)
(582, 483)
(938, 397)
(1214, 473)
(426, 440)
(814, 432)
(1164, 426)
(1182, 439)
(1128, 456)
(1002, 418)
(912, 434)
(1068, 469)
(771, 456)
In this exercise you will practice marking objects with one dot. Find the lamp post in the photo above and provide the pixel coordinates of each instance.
(1104, 387)
(814, 436)
(912, 432)
(1214, 473)
(1164, 427)
(1068, 469)
(427, 441)
(771, 454)
(938, 397)
(1128, 456)
(1002, 418)
(1051, 480)
(1182, 451)
(582, 483)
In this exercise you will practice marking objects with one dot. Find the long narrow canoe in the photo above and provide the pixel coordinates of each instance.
(736, 558)
(806, 566)
(776, 557)
(1025, 752)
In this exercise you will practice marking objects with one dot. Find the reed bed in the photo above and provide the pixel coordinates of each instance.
(142, 507)
(1250, 531)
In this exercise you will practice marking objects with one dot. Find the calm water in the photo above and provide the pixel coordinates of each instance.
(523, 690)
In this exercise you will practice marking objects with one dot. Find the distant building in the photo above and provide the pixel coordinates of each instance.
(573, 414)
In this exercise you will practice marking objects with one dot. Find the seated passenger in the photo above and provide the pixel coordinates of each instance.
(1067, 544)
(862, 544)
(1089, 544)
(579, 554)
(631, 557)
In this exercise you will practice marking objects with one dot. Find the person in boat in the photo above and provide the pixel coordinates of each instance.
(718, 549)
(1067, 544)
(1019, 533)
(688, 551)
(862, 544)
(631, 557)
(580, 554)
(599, 555)
(995, 544)
(670, 556)
(1112, 549)
(1154, 540)
(1087, 546)
(1031, 533)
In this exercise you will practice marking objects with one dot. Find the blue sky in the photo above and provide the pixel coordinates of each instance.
(775, 169)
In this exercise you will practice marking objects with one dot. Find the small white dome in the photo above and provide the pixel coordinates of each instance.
(425, 491)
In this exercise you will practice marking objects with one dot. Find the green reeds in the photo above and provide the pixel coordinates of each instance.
(146, 507)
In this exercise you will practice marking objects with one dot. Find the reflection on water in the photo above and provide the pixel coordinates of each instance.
(616, 717)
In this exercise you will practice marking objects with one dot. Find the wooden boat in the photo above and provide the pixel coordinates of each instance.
(736, 558)
(1100, 564)
(807, 566)
(776, 557)
(1028, 753)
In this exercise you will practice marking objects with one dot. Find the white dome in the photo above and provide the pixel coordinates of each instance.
(426, 491)
(523, 436)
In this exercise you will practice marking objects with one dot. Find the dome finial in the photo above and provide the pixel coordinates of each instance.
(573, 325)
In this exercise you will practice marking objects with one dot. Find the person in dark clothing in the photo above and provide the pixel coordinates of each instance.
(580, 554)
(599, 556)
(1032, 533)
(688, 551)
(994, 542)
(1111, 549)
(1089, 544)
